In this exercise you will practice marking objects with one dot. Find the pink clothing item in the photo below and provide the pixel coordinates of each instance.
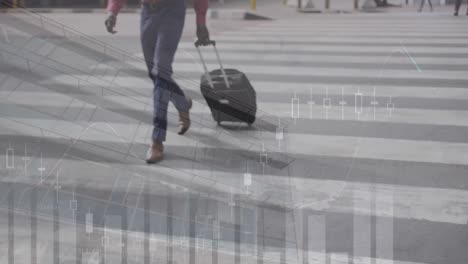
(200, 6)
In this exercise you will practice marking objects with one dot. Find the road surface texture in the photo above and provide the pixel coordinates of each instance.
(359, 153)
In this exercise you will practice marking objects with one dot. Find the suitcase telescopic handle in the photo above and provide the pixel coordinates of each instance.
(210, 81)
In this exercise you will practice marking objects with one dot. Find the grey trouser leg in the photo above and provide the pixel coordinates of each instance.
(161, 30)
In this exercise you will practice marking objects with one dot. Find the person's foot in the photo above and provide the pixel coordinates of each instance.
(419, 10)
(455, 14)
(156, 153)
(184, 118)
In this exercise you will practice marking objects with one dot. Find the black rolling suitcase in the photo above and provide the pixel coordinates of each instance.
(228, 92)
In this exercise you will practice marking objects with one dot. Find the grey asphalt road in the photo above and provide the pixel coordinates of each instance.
(359, 153)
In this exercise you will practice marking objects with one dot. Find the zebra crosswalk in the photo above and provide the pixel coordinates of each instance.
(362, 131)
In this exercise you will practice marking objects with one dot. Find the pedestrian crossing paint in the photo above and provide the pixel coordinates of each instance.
(340, 40)
(303, 58)
(328, 48)
(318, 111)
(326, 72)
(284, 46)
(407, 199)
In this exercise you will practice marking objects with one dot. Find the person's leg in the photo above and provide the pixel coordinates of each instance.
(170, 20)
(161, 96)
(457, 6)
(430, 4)
(169, 37)
(168, 40)
(148, 37)
(421, 5)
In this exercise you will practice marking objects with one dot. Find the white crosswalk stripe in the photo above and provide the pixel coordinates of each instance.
(281, 110)
(415, 126)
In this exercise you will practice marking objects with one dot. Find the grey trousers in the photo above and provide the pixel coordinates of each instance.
(423, 2)
(161, 30)
(458, 4)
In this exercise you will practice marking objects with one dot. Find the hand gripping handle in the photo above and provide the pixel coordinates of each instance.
(210, 81)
